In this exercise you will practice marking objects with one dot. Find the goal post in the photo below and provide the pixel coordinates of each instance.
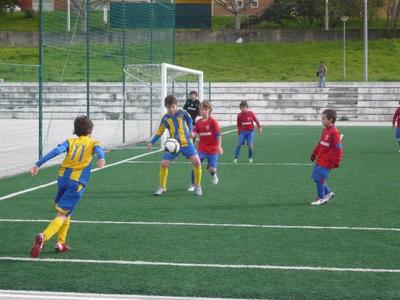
(149, 84)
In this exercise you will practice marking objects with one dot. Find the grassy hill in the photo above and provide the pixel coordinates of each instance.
(235, 62)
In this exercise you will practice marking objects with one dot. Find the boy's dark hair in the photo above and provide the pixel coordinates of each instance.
(169, 100)
(206, 105)
(83, 126)
(243, 103)
(330, 114)
(193, 92)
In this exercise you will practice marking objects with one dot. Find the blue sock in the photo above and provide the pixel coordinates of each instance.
(250, 152)
(320, 190)
(237, 151)
(327, 190)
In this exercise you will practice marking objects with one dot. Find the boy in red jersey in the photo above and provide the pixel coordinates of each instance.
(207, 130)
(245, 125)
(396, 119)
(328, 154)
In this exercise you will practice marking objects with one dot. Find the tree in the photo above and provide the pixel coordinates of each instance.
(392, 15)
(235, 7)
(6, 5)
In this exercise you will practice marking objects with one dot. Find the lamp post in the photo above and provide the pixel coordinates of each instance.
(365, 40)
(344, 20)
(326, 15)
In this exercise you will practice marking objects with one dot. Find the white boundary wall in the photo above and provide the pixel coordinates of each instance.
(294, 103)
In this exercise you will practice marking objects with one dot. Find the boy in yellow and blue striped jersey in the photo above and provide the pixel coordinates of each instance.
(179, 124)
(73, 177)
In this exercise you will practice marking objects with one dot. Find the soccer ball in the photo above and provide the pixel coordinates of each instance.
(171, 145)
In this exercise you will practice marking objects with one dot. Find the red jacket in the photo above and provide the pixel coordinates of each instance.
(209, 133)
(329, 150)
(396, 117)
(246, 120)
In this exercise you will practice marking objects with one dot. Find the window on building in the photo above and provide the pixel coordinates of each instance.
(239, 3)
(254, 3)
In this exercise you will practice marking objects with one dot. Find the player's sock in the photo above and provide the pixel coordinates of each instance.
(192, 176)
(53, 228)
(62, 232)
(250, 152)
(320, 189)
(327, 190)
(163, 177)
(197, 175)
(237, 152)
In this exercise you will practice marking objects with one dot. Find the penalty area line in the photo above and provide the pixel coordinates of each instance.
(183, 224)
(198, 265)
(12, 195)
(25, 295)
(225, 163)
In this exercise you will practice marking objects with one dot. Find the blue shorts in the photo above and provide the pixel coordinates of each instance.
(320, 174)
(246, 136)
(68, 195)
(398, 133)
(212, 159)
(187, 151)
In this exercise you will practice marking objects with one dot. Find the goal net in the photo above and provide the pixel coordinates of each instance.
(146, 87)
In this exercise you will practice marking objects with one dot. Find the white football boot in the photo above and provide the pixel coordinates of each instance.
(214, 179)
(318, 202)
(159, 191)
(198, 191)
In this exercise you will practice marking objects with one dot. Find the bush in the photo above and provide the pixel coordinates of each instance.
(29, 14)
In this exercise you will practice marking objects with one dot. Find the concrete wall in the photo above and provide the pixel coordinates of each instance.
(271, 101)
(289, 102)
(30, 39)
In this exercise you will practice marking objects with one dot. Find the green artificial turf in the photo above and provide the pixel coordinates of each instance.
(274, 193)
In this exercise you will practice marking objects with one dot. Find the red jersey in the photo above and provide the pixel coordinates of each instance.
(208, 130)
(396, 117)
(329, 150)
(246, 120)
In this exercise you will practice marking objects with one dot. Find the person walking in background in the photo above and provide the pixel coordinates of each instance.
(321, 73)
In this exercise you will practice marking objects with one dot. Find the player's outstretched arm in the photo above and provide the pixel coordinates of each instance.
(101, 155)
(101, 163)
(53, 153)
(34, 170)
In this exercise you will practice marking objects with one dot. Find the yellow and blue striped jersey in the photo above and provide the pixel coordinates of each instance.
(179, 125)
(78, 161)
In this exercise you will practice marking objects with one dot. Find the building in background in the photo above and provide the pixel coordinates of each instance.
(256, 8)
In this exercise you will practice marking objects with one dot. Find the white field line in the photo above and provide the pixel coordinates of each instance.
(15, 294)
(225, 163)
(198, 265)
(12, 195)
(266, 226)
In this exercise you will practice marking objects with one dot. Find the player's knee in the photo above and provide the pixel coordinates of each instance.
(165, 163)
(195, 161)
(62, 215)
